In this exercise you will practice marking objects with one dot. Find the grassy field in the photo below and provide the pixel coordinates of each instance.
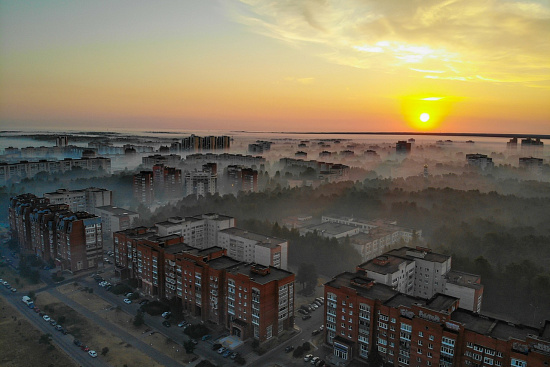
(19, 342)
(8, 274)
(97, 305)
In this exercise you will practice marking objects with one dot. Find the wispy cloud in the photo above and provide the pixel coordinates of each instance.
(468, 40)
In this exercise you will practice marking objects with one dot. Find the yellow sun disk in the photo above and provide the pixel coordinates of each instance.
(424, 117)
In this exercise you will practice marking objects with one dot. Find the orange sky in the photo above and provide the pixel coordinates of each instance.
(473, 66)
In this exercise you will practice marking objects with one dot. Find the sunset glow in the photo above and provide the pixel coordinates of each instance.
(273, 65)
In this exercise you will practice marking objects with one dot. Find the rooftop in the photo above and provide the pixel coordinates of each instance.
(496, 328)
(264, 240)
(115, 210)
(330, 228)
(464, 279)
(439, 302)
(222, 262)
(350, 280)
(274, 274)
(413, 253)
(390, 267)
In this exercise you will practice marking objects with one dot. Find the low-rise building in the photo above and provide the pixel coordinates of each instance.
(115, 219)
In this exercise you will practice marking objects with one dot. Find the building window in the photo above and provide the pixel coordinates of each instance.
(518, 363)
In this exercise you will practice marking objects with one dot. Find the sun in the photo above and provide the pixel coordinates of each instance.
(424, 117)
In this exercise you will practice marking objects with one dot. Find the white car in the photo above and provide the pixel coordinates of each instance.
(308, 357)
(14, 290)
(92, 353)
(46, 318)
(127, 301)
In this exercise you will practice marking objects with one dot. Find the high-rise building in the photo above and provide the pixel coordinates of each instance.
(200, 183)
(143, 187)
(403, 147)
(481, 161)
(52, 231)
(167, 182)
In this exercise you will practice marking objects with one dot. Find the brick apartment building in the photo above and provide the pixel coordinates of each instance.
(53, 232)
(364, 317)
(251, 300)
(167, 181)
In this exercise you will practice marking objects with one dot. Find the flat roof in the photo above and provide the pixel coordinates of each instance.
(246, 269)
(428, 256)
(222, 262)
(264, 240)
(330, 228)
(463, 279)
(490, 326)
(115, 210)
(376, 291)
(439, 302)
(391, 267)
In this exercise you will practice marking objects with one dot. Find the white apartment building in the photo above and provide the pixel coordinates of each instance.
(115, 219)
(252, 247)
(422, 273)
(86, 200)
(200, 183)
(199, 231)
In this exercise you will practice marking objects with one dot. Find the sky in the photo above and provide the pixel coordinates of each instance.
(269, 65)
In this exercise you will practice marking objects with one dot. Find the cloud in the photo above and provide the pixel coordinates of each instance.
(469, 40)
(304, 81)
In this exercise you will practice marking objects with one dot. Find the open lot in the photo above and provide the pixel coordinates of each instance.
(8, 274)
(123, 320)
(120, 353)
(17, 331)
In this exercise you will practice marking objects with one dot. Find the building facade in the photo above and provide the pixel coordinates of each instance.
(81, 200)
(144, 191)
(363, 317)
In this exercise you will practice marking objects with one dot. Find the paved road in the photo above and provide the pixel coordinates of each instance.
(65, 342)
(115, 330)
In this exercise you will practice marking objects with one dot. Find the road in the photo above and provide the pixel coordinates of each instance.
(203, 348)
(65, 342)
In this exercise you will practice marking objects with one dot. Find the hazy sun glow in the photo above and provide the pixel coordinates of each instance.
(425, 113)
(424, 117)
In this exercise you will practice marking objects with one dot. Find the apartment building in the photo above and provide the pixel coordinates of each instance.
(144, 191)
(249, 299)
(481, 161)
(200, 183)
(422, 273)
(167, 181)
(52, 231)
(240, 178)
(169, 160)
(363, 317)
(531, 164)
(115, 219)
(195, 143)
(248, 246)
(81, 200)
(14, 172)
(199, 231)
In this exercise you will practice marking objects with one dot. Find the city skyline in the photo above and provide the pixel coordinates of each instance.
(276, 66)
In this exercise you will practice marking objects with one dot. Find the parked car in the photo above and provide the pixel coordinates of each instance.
(37, 310)
(144, 302)
(166, 323)
(288, 349)
(322, 327)
(320, 363)
(14, 290)
(58, 327)
(194, 341)
(314, 360)
(308, 357)
(234, 355)
(306, 317)
(52, 321)
(206, 337)
(128, 295)
(216, 346)
(127, 301)
(222, 350)
(77, 342)
(167, 314)
(46, 318)
(315, 332)
(92, 353)
(227, 353)
(85, 348)
(182, 323)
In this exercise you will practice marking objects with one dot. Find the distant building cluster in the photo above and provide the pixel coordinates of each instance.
(73, 240)
(403, 147)
(434, 322)
(326, 172)
(14, 172)
(195, 143)
(251, 299)
(259, 147)
(161, 182)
